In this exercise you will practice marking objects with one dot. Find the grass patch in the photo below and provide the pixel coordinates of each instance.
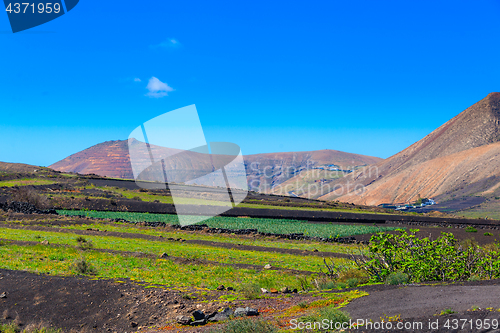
(247, 326)
(222, 238)
(175, 249)
(25, 182)
(334, 316)
(32, 328)
(37, 259)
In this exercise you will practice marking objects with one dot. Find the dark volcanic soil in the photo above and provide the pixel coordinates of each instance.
(77, 303)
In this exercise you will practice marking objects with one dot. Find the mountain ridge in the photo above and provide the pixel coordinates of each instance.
(112, 159)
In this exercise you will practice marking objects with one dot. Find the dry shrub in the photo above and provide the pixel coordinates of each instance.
(81, 266)
(29, 195)
(354, 273)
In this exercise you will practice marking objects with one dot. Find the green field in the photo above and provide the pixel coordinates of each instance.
(176, 249)
(60, 261)
(303, 245)
(25, 182)
(276, 226)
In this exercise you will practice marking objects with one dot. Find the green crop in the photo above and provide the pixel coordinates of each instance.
(275, 226)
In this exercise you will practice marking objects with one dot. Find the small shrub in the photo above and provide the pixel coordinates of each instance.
(17, 321)
(353, 273)
(330, 313)
(470, 229)
(10, 328)
(137, 198)
(341, 285)
(250, 291)
(5, 314)
(247, 326)
(84, 244)
(474, 278)
(25, 194)
(352, 282)
(396, 278)
(447, 311)
(81, 266)
(304, 283)
(325, 284)
(303, 305)
(488, 234)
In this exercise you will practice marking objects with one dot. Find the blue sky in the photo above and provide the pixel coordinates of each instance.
(363, 77)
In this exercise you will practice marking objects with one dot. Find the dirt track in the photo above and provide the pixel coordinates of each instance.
(424, 303)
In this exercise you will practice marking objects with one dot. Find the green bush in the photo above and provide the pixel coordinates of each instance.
(447, 311)
(470, 229)
(326, 284)
(396, 278)
(247, 326)
(488, 234)
(442, 259)
(352, 282)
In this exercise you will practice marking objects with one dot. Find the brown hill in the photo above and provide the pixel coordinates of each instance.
(109, 159)
(18, 167)
(112, 159)
(391, 180)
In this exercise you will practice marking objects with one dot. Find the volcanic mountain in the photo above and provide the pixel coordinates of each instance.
(112, 159)
(460, 153)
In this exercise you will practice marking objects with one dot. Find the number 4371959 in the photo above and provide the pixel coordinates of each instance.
(40, 8)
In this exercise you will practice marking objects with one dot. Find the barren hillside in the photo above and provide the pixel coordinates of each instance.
(423, 165)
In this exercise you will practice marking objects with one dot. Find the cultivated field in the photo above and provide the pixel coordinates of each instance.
(67, 266)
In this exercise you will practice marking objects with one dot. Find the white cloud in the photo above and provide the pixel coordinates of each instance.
(157, 89)
(137, 80)
(170, 43)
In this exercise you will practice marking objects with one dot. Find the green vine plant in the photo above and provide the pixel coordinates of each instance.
(424, 259)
